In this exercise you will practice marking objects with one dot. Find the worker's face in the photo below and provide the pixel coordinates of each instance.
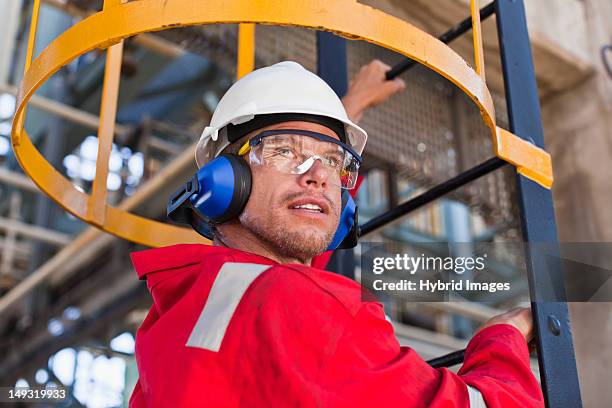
(272, 212)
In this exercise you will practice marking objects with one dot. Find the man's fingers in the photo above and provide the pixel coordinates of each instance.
(519, 317)
(401, 84)
(531, 345)
(385, 67)
(370, 87)
(393, 86)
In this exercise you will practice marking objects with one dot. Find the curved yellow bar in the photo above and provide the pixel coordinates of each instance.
(530, 161)
(346, 18)
(343, 17)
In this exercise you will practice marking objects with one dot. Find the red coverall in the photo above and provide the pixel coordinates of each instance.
(234, 329)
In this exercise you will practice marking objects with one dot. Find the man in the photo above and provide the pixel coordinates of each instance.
(248, 322)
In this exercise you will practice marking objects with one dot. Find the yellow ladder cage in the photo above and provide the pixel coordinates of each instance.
(119, 20)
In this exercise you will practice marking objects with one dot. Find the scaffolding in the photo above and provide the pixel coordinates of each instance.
(522, 146)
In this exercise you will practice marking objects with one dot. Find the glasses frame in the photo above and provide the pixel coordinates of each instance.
(255, 140)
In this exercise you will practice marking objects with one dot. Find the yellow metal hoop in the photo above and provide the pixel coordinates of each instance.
(347, 18)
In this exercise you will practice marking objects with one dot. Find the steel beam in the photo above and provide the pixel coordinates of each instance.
(551, 320)
(17, 180)
(93, 240)
(9, 250)
(67, 112)
(331, 61)
(35, 232)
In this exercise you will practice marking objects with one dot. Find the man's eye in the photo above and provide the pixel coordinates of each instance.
(284, 152)
(333, 161)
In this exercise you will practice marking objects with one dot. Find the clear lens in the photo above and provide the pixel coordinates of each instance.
(296, 154)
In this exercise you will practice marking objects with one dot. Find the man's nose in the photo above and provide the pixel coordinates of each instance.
(316, 176)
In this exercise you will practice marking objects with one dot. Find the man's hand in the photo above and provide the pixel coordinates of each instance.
(519, 317)
(369, 88)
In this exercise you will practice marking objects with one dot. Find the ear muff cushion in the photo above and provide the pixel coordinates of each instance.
(347, 219)
(242, 188)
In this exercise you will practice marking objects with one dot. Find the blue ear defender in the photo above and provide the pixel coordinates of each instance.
(347, 233)
(220, 190)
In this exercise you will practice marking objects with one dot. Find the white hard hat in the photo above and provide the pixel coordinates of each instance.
(283, 88)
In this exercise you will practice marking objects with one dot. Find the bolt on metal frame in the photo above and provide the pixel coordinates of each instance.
(521, 147)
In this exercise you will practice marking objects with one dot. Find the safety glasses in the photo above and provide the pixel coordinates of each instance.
(295, 151)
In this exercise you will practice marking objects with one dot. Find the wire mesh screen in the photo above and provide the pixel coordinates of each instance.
(274, 44)
(428, 133)
(493, 193)
(413, 131)
(217, 42)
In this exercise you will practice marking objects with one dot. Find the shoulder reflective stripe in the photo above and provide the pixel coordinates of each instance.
(476, 400)
(230, 284)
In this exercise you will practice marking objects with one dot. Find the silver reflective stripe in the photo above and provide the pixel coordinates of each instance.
(230, 284)
(476, 400)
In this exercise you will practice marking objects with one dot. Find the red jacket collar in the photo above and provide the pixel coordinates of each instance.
(175, 256)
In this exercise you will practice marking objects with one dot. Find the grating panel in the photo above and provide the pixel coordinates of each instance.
(274, 44)
(413, 130)
(428, 133)
(217, 42)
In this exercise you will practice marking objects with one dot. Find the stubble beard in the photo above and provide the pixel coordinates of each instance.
(286, 241)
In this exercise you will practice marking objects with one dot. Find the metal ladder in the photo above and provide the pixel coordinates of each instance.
(559, 377)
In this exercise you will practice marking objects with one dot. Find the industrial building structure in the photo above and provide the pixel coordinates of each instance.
(70, 302)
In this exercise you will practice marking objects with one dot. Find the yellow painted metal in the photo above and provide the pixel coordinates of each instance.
(346, 18)
(111, 3)
(118, 221)
(96, 205)
(30, 51)
(530, 161)
(477, 36)
(32, 38)
(96, 208)
(246, 49)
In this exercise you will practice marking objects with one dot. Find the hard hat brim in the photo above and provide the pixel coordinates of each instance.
(208, 148)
